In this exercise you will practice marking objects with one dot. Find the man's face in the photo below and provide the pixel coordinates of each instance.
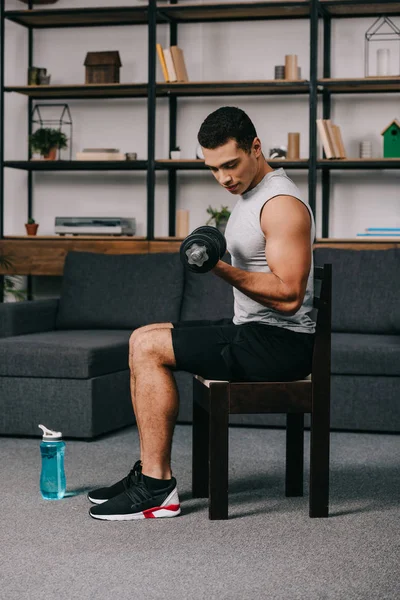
(233, 168)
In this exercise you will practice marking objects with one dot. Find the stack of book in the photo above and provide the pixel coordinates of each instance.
(100, 154)
(331, 138)
(381, 232)
(172, 64)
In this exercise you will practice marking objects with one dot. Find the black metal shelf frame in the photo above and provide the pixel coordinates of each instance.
(1, 134)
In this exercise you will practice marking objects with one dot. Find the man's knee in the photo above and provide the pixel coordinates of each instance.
(142, 340)
(145, 329)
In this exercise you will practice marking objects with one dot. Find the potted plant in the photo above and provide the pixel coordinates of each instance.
(47, 141)
(220, 217)
(31, 226)
(175, 154)
(11, 282)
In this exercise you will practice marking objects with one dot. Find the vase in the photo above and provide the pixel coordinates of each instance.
(221, 225)
(52, 154)
(31, 228)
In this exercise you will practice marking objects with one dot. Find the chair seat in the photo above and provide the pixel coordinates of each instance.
(208, 382)
(257, 397)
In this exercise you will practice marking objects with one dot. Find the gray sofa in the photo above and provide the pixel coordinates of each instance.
(64, 362)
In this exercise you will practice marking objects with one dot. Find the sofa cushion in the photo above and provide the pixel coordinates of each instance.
(206, 296)
(365, 354)
(365, 289)
(65, 354)
(103, 291)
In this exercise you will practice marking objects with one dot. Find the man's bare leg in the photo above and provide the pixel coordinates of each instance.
(147, 354)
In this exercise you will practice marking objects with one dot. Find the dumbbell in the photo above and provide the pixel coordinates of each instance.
(202, 249)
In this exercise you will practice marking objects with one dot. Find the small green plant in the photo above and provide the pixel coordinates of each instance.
(45, 138)
(11, 282)
(31, 221)
(218, 216)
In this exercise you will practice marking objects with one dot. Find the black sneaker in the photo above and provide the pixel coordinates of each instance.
(137, 501)
(101, 495)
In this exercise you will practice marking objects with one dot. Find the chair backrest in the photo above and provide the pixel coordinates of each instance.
(321, 362)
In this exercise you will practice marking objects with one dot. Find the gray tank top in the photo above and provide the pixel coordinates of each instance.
(246, 245)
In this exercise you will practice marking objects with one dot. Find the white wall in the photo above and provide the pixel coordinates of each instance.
(216, 51)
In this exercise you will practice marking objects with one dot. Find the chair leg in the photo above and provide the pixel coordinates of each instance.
(294, 454)
(319, 463)
(218, 451)
(200, 442)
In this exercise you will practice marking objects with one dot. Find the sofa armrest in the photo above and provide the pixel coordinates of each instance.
(19, 318)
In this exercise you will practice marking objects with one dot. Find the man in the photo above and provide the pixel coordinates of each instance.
(269, 237)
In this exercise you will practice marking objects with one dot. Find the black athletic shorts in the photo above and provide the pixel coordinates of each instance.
(249, 352)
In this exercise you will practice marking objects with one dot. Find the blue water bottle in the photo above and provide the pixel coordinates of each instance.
(52, 477)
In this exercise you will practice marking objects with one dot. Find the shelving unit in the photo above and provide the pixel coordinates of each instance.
(315, 11)
(152, 15)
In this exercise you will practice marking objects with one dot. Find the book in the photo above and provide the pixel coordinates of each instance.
(161, 58)
(170, 65)
(324, 138)
(179, 63)
(100, 156)
(340, 141)
(376, 234)
(330, 128)
(100, 150)
(383, 229)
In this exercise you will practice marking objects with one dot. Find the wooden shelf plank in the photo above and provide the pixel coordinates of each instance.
(182, 13)
(80, 17)
(215, 88)
(34, 255)
(186, 12)
(140, 90)
(358, 243)
(361, 85)
(75, 237)
(361, 8)
(77, 165)
(87, 90)
(359, 163)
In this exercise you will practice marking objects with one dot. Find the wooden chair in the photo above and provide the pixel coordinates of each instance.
(214, 401)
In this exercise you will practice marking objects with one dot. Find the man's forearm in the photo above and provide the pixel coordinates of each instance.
(265, 288)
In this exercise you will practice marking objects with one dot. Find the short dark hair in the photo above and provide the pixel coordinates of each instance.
(224, 124)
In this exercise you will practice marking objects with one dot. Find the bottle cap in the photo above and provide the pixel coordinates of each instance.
(48, 434)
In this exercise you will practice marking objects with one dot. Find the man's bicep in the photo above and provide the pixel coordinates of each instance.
(286, 224)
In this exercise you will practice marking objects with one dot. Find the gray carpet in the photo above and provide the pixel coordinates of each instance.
(269, 548)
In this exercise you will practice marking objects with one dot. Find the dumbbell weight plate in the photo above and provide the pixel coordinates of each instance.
(215, 234)
(200, 240)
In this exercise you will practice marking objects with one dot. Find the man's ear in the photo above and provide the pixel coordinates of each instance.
(256, 147)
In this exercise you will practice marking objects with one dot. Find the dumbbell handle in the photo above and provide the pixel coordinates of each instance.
(197, 255)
